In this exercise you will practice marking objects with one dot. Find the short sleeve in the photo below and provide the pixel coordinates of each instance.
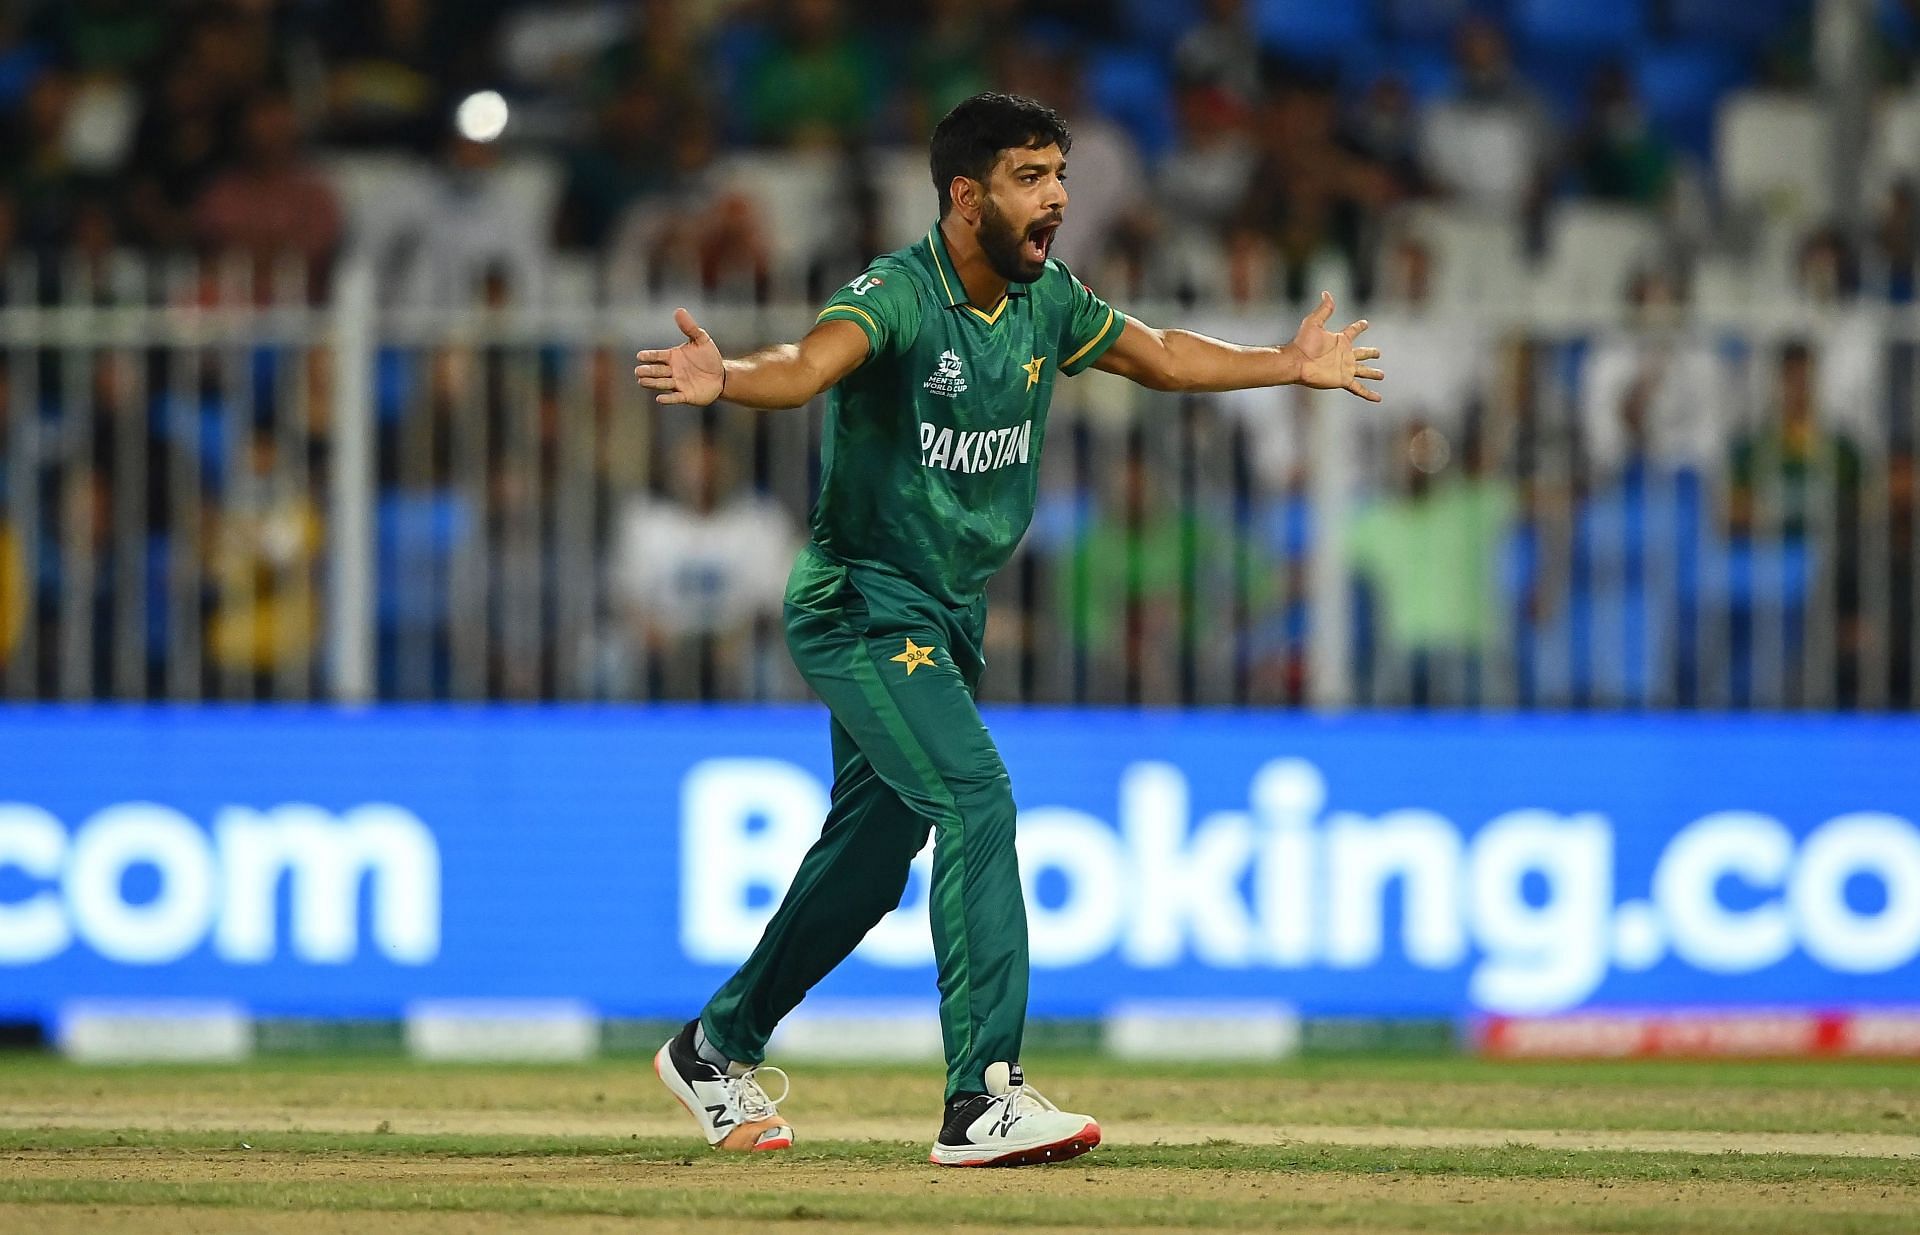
(884, 303)
(1092, 327)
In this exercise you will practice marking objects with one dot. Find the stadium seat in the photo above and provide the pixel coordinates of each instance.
(907, 201)
(1427, 68)
(800, 190)
(1159, 23)
(1486, 155)
(1739, 21)
(417, 535)
(1580, 23)
(1760, 148)
(1730, 284)
(1681, 83)
(1592, 252)
(1563, 73)
(572, 278)
(1477, 255)
(1131, 87)
(536, 181)
(380, 194)
(1423, 19)
(1303, 26)
(1895, 151)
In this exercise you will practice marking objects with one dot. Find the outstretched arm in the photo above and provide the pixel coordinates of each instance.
(784, 375)
(1183, 360)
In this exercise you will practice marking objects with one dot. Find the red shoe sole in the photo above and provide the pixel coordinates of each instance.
(1072, 1147)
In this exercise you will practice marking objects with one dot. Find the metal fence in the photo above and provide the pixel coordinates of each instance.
(224, 483)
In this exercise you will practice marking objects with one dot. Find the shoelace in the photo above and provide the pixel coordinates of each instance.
(1022, 1100)
(746, 1095)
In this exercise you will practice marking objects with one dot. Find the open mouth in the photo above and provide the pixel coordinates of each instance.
(1040, 241)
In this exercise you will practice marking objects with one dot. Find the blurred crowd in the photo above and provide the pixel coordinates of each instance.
(1236, 149)
(1633, 510)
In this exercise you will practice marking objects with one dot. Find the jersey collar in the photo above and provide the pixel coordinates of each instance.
(951, 286)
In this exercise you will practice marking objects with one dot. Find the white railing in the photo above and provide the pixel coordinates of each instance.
(317, 499)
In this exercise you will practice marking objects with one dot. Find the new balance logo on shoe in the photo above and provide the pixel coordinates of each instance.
(739, 1114)
(1011, 1125)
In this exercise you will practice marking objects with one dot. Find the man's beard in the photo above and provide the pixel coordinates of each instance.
(1002, 243)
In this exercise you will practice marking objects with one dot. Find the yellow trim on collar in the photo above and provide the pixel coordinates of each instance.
(984, 316)
(937, 246)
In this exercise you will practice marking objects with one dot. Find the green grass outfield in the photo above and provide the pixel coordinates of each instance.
(1359, 1144)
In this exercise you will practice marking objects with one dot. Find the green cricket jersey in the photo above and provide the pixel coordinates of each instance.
(932, 453)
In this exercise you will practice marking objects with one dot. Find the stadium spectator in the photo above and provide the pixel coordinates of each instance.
(1450, 352)
(1896, 236)
(819, 81)
(697, 233)
(950, 60)
(1430, 557)
(1385, 127)
(661, 44)
(266, 542)
(1106, 175)
(117, 38)
(1619, 154)
(1683, 380)
(1627, 633)
(1203, 179)
(273, 205)
(1850, 347)
(552, 48)
(181, 143)
(13, 593)
(38, 165)
(618, 167)
(1129, 584)
(1221, 53)
(23, 57)
(698, 574)
(11, 250)
(477, 226)
(1311, 194)
(390, 72)
(1902, 551)
(1487, 143)
(22, 460)
(1793, 519)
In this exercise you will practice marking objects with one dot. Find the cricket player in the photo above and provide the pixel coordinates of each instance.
(938, 363)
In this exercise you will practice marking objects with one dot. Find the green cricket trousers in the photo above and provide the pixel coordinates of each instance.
(898, 670)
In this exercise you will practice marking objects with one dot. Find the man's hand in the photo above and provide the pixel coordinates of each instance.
(1330, 361)
(691, 373)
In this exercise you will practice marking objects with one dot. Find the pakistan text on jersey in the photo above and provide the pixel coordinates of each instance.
(974, 450)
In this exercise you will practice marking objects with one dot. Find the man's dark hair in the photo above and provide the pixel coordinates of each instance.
(970, 138)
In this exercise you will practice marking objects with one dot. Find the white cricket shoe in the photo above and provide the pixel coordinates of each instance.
(1011, 1125)
(733, 1112)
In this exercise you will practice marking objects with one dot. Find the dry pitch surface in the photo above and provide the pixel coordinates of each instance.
(1346, 1145)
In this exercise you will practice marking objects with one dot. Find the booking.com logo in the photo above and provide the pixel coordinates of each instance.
(140, 883)
(1528, 899)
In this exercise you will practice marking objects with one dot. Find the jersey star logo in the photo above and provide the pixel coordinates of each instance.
(1033, 370)
(914, 656)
